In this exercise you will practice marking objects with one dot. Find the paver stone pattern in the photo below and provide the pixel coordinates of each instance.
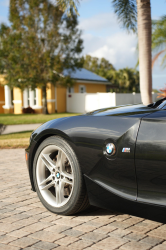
(26, 224)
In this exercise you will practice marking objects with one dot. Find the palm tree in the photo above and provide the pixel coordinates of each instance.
(128, 80)
(159, 40)
(145, 57)
(132, 14)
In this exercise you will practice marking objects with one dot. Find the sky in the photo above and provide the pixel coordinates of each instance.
(104, 37)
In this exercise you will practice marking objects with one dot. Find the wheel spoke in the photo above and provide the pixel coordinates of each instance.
(48, 162)
(48, 186)
(59, 191)
(61, 160)
(65, 180)
(67, 175)
(46, 180)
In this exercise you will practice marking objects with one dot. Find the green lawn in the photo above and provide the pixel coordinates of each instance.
(15, 140)
(18, 135)
(11, 119)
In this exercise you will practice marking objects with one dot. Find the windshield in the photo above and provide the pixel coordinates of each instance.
(162, 105)
(159, 104)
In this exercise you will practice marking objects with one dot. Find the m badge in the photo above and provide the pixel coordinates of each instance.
(126, 150)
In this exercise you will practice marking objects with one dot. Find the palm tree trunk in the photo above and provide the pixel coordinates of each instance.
(145, 57)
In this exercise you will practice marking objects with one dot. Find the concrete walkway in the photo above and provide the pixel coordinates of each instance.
(20, 128)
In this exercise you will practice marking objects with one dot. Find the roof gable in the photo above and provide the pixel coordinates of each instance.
(84, 74)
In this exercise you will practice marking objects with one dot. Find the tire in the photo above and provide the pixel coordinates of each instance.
(58, 178)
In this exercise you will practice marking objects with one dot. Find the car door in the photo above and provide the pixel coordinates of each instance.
(150, 158)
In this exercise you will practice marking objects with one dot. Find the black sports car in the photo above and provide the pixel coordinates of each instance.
(106, 157)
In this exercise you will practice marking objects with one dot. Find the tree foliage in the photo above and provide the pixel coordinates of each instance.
(39, 43)
(67, 6)
(123, 80)
(128, 79)
(98, 66)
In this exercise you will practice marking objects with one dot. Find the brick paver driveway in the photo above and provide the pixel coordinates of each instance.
(26, 224)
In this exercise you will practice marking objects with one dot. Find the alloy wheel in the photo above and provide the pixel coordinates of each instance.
(55, 177)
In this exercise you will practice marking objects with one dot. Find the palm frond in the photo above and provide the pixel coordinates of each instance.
(126, 11)
(159, 39)
(137, 64)
(159, 33)
(163, 63)
(156, 57)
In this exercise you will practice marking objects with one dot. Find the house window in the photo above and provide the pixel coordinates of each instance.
(30, 98)
(35, 97)
(12, 97)
(70, 90)
(82, 89)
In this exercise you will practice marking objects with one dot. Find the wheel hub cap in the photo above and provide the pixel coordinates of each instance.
(58, 175)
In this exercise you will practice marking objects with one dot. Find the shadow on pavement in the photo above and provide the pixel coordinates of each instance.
(100, 197)
(157, 214)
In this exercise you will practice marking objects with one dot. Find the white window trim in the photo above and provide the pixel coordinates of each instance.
(25, 99)
(55, 99)
(80, 86)
(17, 101)
(72, 90)
(51, 100)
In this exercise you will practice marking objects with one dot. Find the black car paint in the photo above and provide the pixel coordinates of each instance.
(121, 175)
(151, 159)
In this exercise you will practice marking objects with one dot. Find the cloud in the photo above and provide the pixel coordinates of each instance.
(103, 37)
(4, 20)
(100, 22)
(118, 48)
(106, 52)
(4, 3)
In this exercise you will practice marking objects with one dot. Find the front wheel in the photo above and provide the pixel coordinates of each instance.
(58, 178)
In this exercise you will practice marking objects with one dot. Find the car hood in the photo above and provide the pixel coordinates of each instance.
(125, 110)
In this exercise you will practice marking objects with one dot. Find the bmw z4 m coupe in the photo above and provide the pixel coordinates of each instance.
(110, 156)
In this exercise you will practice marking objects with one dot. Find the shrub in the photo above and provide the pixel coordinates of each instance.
(28, 110)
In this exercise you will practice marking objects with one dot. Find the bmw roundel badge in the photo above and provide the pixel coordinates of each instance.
(110, 149)
(57, 175)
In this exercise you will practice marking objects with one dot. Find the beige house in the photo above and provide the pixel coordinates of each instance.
(13, 101)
